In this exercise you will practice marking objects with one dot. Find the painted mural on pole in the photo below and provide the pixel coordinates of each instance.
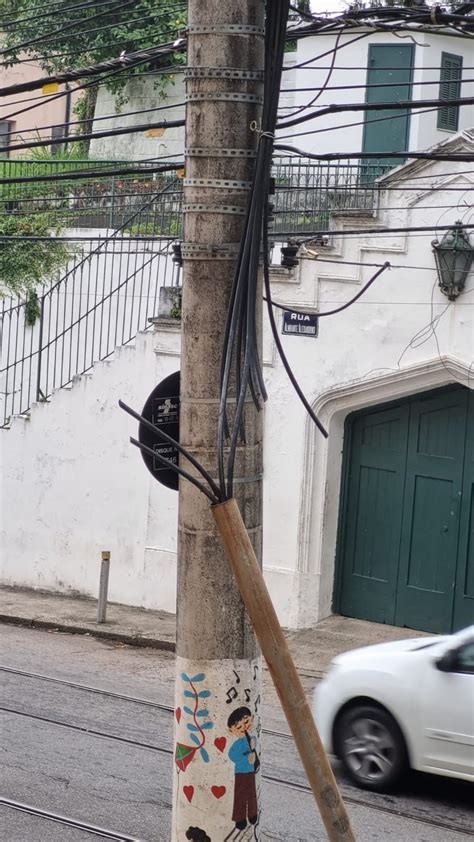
(217, 751)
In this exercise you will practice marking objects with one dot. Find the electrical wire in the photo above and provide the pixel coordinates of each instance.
(333, 128)
(337, 156)
(144, 127)
(310, 237)
(176, 469)
(344, 306)
(161, 434)
(370, 85)
(327, 53)
(274, 329)
(325, 83)
(171, 69)
(61, 10)
(95, 120)
(240, 339)
(337, 108)
(45, 38)
(120, 63)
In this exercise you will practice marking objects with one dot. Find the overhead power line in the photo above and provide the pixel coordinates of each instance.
(310, 237)
(63, 10)
(367, 86)
(116, 116)
(123, 61)
(337, 156)
(65, 28)
(336, 108)
(98, 173)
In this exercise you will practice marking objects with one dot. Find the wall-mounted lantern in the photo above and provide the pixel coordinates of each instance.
(453, 255)
(289, 255)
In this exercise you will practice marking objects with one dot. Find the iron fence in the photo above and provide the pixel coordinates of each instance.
(104, 201)
(111, 285)
(307, 192)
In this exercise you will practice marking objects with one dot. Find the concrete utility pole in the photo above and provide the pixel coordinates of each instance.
(216, 792)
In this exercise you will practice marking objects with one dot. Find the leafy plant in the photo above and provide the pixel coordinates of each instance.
(92, 34)
(175, 311)
(24, 265)
(32, 308)
(168, 225)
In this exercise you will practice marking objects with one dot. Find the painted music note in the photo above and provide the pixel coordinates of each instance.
(231, 695)
(257, 702)
(247, 695)
(237, 677)
(255, 672)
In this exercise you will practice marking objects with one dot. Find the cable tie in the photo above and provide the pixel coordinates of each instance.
(254, 127)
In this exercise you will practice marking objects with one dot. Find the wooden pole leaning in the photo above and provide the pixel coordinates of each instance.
(275, 650)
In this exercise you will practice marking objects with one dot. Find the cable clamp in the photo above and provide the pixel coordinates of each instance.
(223, 73)
(255, 127)
(218, 183)
(215, 152)
(224, 29)
(227, 96)
(217, 251)
(198, 207)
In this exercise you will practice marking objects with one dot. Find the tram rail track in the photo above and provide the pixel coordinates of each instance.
(355, 800)
(58, 818)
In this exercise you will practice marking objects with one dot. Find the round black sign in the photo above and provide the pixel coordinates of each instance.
(162, 409)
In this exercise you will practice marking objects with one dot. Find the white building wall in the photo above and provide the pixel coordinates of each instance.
(141, 94)
(343, 132)
(72, 485)
(111, 288)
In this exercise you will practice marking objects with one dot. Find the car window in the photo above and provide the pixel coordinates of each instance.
(465, 658)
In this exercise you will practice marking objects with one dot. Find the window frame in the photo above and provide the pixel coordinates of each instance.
(5, 139)
(448, 115)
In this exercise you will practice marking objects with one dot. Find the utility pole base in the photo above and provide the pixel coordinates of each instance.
(217, 750)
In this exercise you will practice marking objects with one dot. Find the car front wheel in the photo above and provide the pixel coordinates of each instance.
(371, 747)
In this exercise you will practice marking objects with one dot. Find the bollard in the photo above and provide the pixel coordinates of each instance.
(103, 586)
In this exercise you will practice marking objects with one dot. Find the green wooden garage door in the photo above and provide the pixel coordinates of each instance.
(406, 547)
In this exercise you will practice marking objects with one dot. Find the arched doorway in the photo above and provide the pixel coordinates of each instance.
(406, 545)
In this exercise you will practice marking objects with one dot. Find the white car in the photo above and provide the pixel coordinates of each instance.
(409, 703)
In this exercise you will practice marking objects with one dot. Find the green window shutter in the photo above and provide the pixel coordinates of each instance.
(449, 88)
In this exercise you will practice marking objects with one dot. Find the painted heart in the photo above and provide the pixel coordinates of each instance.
(220, 743)
(218, 791)
(189, 792)
(178, 715)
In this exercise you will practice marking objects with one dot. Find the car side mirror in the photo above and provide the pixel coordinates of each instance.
(447, 662)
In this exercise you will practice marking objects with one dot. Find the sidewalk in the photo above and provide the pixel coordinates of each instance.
(312, 649)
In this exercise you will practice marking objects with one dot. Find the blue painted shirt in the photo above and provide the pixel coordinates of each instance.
(239, 753)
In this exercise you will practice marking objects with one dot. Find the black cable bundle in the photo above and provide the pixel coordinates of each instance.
(240, 342)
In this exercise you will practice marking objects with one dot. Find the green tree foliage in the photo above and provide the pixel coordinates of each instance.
(71, 36)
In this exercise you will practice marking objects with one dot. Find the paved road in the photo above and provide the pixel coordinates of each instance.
(105, 760)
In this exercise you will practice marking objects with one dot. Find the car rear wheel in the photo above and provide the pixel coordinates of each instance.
(371, 747)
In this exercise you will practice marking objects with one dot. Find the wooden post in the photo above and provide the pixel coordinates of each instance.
(275, 650)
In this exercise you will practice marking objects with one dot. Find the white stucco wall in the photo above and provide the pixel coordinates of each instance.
(343, 132)
(140, 93)
(116, 280)
(72, 485)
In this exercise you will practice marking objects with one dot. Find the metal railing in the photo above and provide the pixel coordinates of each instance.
(106, 298)
(107, 294)
(111, 285)
(104, 201)
(307, 192)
